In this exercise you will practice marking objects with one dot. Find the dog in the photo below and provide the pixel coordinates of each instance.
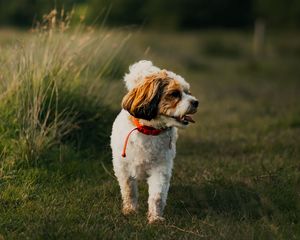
(144, 134)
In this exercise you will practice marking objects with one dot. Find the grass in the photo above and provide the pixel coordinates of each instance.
(236, 174)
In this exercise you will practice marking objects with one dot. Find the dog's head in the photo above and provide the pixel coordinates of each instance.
(158, 95)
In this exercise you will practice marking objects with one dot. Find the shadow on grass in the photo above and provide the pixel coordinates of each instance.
(220, 197)
(92, 121)
(275, 197)
(85, 152)
(93, 132)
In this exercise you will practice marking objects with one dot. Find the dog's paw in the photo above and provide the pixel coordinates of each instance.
(155, 219)
(128, 210)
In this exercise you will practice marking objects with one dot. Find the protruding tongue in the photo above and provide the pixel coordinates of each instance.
(188, 118)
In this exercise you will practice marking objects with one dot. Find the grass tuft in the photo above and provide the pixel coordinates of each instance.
(53, 93)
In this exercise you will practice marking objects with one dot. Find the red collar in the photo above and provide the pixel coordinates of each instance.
(147, 130)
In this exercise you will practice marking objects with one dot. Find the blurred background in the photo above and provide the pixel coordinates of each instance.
(167, 14)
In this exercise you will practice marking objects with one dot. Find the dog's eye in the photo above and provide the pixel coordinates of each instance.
(175, 94)
(187, 92)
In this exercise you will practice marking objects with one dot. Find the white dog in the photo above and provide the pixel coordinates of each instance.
(145, 131)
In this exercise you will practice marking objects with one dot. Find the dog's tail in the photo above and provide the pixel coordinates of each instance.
(138, 71)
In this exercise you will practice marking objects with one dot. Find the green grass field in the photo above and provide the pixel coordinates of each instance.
(237, 170)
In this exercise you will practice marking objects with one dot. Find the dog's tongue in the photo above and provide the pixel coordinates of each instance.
(188, 118)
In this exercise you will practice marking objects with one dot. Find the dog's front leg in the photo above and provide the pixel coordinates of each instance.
(128, 186)
(158, 191)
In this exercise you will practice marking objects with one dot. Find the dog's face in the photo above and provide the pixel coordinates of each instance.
(162, 97)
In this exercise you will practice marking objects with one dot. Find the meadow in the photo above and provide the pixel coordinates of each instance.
(237, 169)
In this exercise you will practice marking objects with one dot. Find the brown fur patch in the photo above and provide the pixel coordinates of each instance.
(142, 101)
(168, 101)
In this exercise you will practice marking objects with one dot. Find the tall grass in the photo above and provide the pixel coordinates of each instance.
(52, 88)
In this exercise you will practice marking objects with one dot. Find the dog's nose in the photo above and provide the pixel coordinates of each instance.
(195, 103)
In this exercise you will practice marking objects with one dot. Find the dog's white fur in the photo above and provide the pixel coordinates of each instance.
(147, 156)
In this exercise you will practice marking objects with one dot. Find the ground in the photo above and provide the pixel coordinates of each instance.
(236, 173)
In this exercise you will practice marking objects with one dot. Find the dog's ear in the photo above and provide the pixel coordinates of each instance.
(142, 101)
